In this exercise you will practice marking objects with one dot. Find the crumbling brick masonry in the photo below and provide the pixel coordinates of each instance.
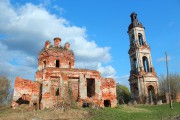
(58, 81)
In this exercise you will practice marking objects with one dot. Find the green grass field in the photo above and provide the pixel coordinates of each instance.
(122, 112)
(138, 112)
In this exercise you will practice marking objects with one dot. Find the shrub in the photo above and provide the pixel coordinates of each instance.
(123, 94)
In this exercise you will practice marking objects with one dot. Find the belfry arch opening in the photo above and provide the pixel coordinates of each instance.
(145, 64)
(140, 38)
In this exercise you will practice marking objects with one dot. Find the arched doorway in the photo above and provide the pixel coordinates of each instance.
(151, 93)
(135, 91)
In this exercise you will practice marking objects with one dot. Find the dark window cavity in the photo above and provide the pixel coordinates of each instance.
(24, 99)
(57, 92)
(107, 103)
(57, 63)
(90, 87)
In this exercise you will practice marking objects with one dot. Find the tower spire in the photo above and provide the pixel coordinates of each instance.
(134, 21)
(133, 17)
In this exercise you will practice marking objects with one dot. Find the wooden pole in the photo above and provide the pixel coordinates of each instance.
(168, 82)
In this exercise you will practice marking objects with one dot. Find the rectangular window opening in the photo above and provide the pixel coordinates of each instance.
(90, 87)
(57, 63)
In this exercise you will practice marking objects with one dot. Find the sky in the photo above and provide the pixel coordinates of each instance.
(96, 30)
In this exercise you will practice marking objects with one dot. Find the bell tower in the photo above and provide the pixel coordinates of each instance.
(143, 79)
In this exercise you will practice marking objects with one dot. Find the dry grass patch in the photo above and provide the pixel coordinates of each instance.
(46, 114)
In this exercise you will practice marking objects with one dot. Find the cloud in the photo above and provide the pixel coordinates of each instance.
(46, 2)
(13, 63)
(163, 59)
(30, 61)
(24, 29)
(107, 71)
(59, 9)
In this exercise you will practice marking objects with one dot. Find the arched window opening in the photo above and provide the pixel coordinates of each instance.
(145, 64)
(57, 63)
(140, 39)
(44, 64)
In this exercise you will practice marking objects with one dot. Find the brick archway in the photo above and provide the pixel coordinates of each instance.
(151, 93)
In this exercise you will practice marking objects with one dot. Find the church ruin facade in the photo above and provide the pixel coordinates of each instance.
(57, 81)
(143, 79)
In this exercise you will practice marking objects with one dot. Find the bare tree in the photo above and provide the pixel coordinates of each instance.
(174, 85)
(4, 89)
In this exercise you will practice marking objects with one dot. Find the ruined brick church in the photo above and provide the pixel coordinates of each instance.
(57, 81)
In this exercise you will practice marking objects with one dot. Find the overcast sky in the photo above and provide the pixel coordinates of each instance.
(96, 30)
